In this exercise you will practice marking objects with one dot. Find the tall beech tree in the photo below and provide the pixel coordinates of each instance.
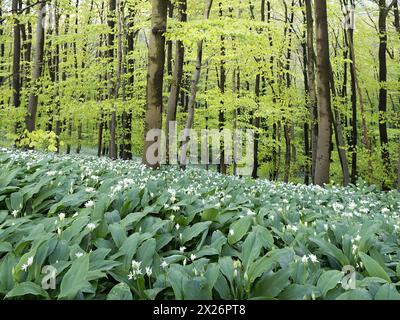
(30, 119)
(155, 76)
(384, 10)
(322, 167)
(16, 69)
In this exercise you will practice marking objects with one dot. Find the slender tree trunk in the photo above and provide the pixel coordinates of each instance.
(221, 113)
(397, 26)
(193, 92)
(16, 83)
(100, 120)
(30, 119)
(176, 84)
(27, 46)
(339, 137)
(287, 124)
(236, 113)
(256, 121)
(206, 120)
(120, 84)
(2, 48)
(112, 4)
(155, 77)
(306, 126)
(100, 138)
(127, 127)
(383, 134)
(170, 10)
(354, 134)
(322, 169)
(79, 144)
(69, 135)
(312, 97)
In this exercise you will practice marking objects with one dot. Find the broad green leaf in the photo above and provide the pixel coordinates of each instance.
(387, 292)
(75, 279)
(191, 232)
(238, 229)
(373, 267)
(27, 288)
(355, 294)
(331, 250)
(121, 291)
(329, 280)
(271, 284)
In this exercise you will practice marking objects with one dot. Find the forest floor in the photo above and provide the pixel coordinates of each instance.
(116, 230)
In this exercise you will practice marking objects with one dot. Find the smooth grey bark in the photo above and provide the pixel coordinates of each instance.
(30, 119)
(322, 168)
(155, 79)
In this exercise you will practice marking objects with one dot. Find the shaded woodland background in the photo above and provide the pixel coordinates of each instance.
(74, 74)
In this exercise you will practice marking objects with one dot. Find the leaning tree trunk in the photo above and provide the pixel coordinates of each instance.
(324, 96)
(176, 85)
(30, 119)
(193, 92)
(155, 79)
(357, 88)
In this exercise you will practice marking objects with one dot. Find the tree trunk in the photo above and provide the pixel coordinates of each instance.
(322, 168)
(30, 119)
(354, 134)
(397, 26)
(383, 134)
(79, 145)
(287, 125)
(170, 9)
(16, 84)
(100, 136)
(155, 77)
(221, 113)
(69, 136)
(306, 126)
(127, 134)
(339, 137)
(193, 92)
(312, 98)
(112, 4)
(176, 84)
(2, 48)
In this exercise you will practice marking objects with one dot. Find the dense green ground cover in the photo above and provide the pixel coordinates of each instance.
(113, 229)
